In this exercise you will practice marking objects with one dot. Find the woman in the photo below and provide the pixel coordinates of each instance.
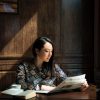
(41, 71)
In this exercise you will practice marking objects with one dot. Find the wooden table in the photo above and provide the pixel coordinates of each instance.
(87, 95)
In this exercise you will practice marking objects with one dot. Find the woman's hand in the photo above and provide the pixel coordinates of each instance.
(84, 86)
(46, 87)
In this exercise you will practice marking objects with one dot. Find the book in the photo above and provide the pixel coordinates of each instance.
(27, 94)
(15, 90)
(69, 84)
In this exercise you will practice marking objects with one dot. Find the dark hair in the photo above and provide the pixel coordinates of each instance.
(38, 44)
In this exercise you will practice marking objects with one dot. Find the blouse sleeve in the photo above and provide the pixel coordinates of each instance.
(21, 77)
(60, 74)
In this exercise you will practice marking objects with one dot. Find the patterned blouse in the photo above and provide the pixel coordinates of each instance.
(29, 76)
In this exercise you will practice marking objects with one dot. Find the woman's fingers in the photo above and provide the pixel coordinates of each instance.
(45, 87)
(84, 86)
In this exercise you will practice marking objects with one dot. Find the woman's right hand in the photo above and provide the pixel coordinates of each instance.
(84, 86)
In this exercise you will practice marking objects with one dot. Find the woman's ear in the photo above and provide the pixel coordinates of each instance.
(37, 51)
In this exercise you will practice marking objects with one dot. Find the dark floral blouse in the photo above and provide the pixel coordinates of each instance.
(29, 76)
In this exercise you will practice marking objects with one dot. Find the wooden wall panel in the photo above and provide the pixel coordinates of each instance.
(96, 43)
(7, 73)
(71, 27)
(18, 32)
(74, 69)
(6, 79)
(77, 36)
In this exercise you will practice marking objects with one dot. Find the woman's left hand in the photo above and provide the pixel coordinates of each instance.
(84, 86)
(48, 88)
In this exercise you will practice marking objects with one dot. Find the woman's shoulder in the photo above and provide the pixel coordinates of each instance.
(23, 65)
(56, 66)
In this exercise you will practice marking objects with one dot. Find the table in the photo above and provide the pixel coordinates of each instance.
(86, 95)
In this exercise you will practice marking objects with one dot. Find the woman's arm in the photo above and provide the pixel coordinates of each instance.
(48, 83)
(60, 74)
(21, 77)
(84, 86)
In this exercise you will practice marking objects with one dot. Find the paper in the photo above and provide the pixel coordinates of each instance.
(68, 84)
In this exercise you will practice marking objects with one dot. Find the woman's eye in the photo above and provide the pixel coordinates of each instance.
(46, 51)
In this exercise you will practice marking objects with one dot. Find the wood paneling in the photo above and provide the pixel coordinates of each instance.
(96, 43)
(18, 32)
(6, 79)
(77, 35)
(7, 73)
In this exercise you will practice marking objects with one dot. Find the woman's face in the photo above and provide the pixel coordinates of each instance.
(46, 52)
